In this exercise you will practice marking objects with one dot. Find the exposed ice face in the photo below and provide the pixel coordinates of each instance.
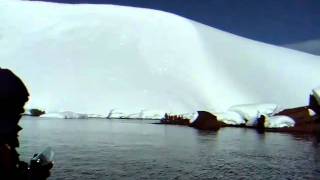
(279, 122)
(94, 58)
(230, 117)
(251, 112)
(65, 115)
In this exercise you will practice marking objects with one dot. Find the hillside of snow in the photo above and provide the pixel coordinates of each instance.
(95, 58)
(310, 46)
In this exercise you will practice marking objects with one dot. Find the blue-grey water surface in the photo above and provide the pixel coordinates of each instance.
(135, 149)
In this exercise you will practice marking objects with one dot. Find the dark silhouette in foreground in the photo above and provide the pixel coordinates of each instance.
(13, 96)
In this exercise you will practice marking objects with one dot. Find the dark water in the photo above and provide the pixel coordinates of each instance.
(119, 149)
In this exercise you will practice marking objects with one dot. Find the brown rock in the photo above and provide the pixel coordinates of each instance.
(304, 123)
(300, 115)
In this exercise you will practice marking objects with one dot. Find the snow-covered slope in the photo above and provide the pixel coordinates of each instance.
(94, 58)
(310, 46)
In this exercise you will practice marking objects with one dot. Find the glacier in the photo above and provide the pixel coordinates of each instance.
(95, 58)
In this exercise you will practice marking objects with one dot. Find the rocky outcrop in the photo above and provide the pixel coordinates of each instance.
(174, 119)
(262, 117)
(207, 121)
(36, 112)
(300, 115)
(304, 123)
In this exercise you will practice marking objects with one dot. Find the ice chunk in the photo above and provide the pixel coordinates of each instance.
(53, 115)
(65, 115)
(311, 112)
(73, 115)
(230, 117)
(279, 122)
(251, 112)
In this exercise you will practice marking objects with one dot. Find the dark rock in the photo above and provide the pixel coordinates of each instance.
(300, 115)
(175, 120)
(260, 123)
(314, 105)
(304, 123)
(36, 112)
(207, 121)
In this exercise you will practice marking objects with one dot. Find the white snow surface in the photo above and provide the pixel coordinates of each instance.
(65, 115)
(279, 122)
(151, 114)
(230, 117)
(53, 115)
(251, 112)
(94, 58)
(96, 116)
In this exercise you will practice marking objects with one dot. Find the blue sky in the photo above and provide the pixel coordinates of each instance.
(272, 21)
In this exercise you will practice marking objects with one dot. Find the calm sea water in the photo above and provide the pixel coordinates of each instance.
(133, 149)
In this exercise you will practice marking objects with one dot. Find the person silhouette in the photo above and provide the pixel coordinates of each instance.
(13, 96)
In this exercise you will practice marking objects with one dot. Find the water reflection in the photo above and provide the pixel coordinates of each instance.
(122, 149)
